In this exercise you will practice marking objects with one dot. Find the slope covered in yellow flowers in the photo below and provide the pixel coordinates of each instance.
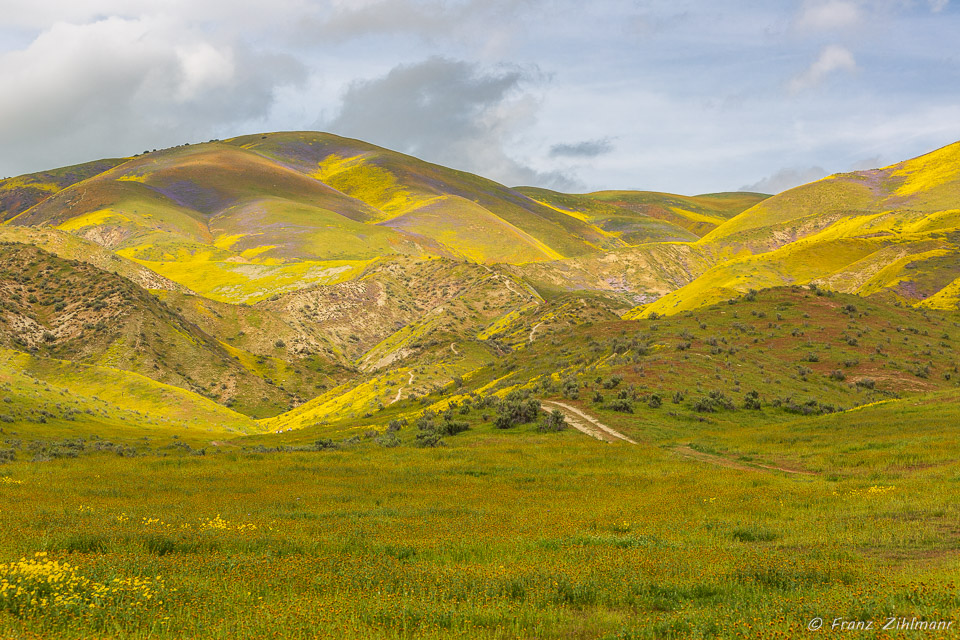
(893, 232)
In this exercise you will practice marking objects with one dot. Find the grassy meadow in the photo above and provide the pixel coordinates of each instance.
(500, 534)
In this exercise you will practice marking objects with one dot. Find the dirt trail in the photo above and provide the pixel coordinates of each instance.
(534, 330)
(400, 390)
(453, 347)
(734, 464)
(587, 424)
(509, 284)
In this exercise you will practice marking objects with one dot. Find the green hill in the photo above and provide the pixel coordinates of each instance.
(46, 399)
(251, 217)
(892, 232)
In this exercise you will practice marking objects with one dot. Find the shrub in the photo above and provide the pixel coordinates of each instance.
(429, 439)
(621, 405)
(655, 401)
(838, 375)
(552, 422)
(751, 400)
(713, 402)
(571, 389)
(516, 409)
(613, 381)
(452, 428)
(389, 440)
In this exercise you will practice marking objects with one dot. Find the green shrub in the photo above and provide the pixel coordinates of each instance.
(552, 422)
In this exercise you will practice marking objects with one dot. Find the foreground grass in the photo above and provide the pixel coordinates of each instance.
(497, 534)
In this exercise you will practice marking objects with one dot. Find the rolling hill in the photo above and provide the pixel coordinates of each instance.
(274, 271)
(247, 218)
(891, 232)
(70, 310)
(298, 382)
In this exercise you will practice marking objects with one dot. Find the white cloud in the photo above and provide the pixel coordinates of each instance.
(938, 5)
(487, 22)
(119, 85)
(832, 14)
(832, 58)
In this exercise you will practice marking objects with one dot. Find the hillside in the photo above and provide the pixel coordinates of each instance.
(802, 351)
(297, 382)
(45, 398)
(891, 232)
(272, 271)
(639, 217)
(244, 219)
(70, 310)
(23, 192)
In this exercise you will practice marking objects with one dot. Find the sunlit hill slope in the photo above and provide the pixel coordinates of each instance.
(892, 232)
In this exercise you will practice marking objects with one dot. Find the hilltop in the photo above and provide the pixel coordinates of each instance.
(243, 219)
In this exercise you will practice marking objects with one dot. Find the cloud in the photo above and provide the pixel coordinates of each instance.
(117, 85)
(832, 14)
(938, 5)
(786, 179)
(448, 112)
(832, 58)
(584, 149)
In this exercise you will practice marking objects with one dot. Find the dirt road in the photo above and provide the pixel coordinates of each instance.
(534, 330)
(587, 424)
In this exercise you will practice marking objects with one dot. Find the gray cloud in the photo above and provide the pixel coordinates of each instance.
(584, 149)
(116, 86)
(448, 112)
(683, 89)
(786, 179)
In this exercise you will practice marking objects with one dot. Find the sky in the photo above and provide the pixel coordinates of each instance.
(667, 95)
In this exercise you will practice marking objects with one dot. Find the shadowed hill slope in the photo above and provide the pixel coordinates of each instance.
(22, 192)
(73, 311)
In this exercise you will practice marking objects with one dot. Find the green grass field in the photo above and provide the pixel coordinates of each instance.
(725, 520)
(499, 534)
